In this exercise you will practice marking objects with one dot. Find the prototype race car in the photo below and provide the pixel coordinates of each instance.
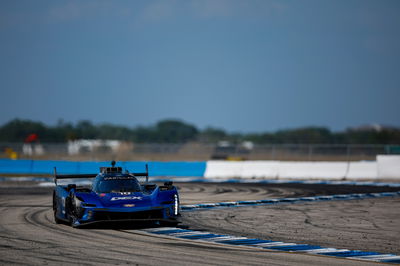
(115, 196)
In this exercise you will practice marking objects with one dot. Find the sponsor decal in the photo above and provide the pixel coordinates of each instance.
(119, 178)
(129, 205)
(102, 194)
(126, 198)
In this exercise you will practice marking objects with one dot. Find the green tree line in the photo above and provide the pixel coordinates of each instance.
(176, 131)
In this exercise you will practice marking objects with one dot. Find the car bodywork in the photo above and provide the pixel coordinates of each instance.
(115, 196)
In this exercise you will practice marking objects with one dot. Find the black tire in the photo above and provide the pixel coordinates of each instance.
(72, 221)
(55, 208)
(56, 220)
(71, 210)
(169, 224)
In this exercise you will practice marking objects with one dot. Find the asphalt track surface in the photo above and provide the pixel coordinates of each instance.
(28, 234)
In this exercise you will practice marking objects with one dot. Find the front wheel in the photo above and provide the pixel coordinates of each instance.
(169, 223)
(55, 209)
(72, 211)
(56, 220)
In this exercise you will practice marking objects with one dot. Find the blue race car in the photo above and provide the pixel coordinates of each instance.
(115, 196)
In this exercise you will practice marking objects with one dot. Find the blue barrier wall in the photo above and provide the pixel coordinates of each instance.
(30, 167)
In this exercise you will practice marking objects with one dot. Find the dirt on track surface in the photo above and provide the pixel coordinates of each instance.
(28, 234)
(192, 193)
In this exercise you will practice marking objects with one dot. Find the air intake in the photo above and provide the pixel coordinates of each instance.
(110, 170)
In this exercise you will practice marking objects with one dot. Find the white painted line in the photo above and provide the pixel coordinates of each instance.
(342, 196)
(395, 257)
(222, 238)
(189, 233)
(319, 250)
(291, 199)
(46, 184)
(280, 244)
(307, 198)
(335, 250)
(267, 244)
(325, 197)
(189, 206)
(376, 257)
(273, 200)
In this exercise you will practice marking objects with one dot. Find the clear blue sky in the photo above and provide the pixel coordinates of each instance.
(247, 66)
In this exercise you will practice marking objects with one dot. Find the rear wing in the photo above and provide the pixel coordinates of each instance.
(57, 176)
(145, 174)
(102, 170)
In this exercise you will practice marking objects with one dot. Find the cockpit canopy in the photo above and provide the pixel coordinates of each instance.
(115, 184)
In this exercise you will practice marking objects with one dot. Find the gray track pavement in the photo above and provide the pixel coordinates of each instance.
(367, 224)
(28, 235)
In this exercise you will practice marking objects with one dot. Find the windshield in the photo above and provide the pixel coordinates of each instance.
(117, 185)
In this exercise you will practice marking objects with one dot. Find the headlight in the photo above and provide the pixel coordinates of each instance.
(176, 205)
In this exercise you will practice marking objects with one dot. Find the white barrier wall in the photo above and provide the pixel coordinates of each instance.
(291, 170)
(312, 170)
(388, 166)
(362, 170)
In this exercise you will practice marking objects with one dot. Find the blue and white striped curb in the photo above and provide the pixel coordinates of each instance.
(287, 200)
(273, 245)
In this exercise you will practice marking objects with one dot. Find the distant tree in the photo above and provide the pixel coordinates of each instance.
(17, 130)
(86, 130)
(388, 136)
(212, 135)
(264, 138)
(175, 131)
(108, 131)
(371, 136)
(144, 135)
(61, 132)
(308, 135)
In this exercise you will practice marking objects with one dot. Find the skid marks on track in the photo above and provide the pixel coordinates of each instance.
(355, 196)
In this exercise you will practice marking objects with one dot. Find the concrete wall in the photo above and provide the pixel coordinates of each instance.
(385, 167)
(388, 166)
